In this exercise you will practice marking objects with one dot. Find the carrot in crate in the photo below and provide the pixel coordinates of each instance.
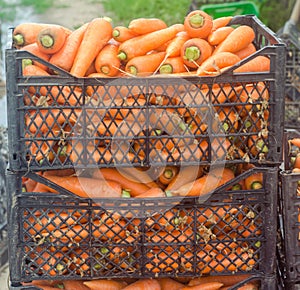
(146, 25)
(198, 24)
(64, 58)
(51, 39)
(96, 36)
(195, 51)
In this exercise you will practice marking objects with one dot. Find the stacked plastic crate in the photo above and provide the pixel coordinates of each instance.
(289, 212)
(165, 121)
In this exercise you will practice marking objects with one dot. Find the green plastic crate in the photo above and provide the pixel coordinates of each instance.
(230, 9)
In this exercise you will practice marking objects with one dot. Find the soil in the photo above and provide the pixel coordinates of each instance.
(72, 13)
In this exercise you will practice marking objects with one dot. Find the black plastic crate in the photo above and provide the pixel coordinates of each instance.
(290, 200)
(290, 35)
(55, 236)
(164, 118)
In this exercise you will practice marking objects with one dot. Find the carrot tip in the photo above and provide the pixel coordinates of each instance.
(192, 53)
(197, 21)
(18, 39)
(122, 55)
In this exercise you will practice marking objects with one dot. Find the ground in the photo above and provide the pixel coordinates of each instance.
(71, 14)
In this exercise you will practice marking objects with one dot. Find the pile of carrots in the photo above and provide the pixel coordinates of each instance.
(199, 283)
(200, 46)
(147, 46)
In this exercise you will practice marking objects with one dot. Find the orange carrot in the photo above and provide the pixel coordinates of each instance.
(74, 285)
(65, 56)
(144, 65)
(260, 63)
(51, 39)
(203, 185)
(26, 33)
(169, 283)
(245, 52)
(198, 24)
(168, 174)
(173, 47)
(172, 65)
(104, 284)
(216, 62)
(113, 174)
(227, 120)
(295, 141)
(186, 174)
(218, 35)
(144, 284)
(227, 280)
(87, 187)
(34, 49)
(145, 43)
(204, 286)
(122, 33)
(146, 25)
(194, 51)
(97, 34)
(221, 22)
(254, 181)
(238, 39)
(106, 61)
(152, 192)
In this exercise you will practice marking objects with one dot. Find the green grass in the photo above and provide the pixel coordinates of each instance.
(122, 11)
(8, 10)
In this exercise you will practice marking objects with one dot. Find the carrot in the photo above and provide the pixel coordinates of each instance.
(42, 120)
(172, 65)
(34, 49)
(122, 33)
(104, 284)
(45, 287)
(145, 43)
(106, 61)
(227, 280)
(173, 47)
(74, 285)
(204, 286)
(144, 284)
(152, 192)
(99, 155)
(194, 51)
(113, 174)
(168, 174)
(221, 22)
(216, 62)
(97, 34)
(87, 187)
(238, 39)
(247, 51)
(64, 58)
(227, 120)
(26, 33)
(203, 185)
(295, 141)
(169, 283)
(63, 96)
(254, 181)
(260, 63)
(161, 262)
(144, 65)
(146, 25)
(51, 39)
(186, 174)
(218, 35)
(198, 24)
